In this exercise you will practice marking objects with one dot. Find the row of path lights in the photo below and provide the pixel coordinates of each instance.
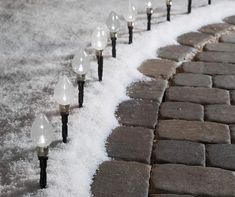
(190, 5)
(42, 131)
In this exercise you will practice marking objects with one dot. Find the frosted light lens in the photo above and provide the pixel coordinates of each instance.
(99, 38)
(169, 2)
(81, 63)
(131, 13)
(42, 131)
(149, 4)
(113, 22)
(64, 91)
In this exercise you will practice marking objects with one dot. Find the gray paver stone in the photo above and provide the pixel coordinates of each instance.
(232, 94)
(232, 130)
(181, 152)
(118, 178)
(228, 38)
(131, 144)
(206, 132)
(169, 195)
(216, 29)
(221, 57)
(225, 81)
(226, 47)
(230, 20)
(195, 180)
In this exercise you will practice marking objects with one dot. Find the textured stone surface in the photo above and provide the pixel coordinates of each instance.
(226, 47)
(230, 20)
(138, 113)
(220, 113)
(131, 144)
(216, 29)
(169, 195)
(195, 39)
(118, 178)
(221, 155)
(232, 130)
(176, 52)
(222, 57)
(229, 38)
(232, 95)
(197, 131)
(156, 68)
(225, 81)
(195, 180)
(181, 152)
(198, 95)
(196, 80)
(153, 90)
(182, 110)
(209, 68)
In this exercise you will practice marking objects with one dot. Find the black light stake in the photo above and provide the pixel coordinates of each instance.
(113, 39)
(168, 5)
(81, 83)
(130, 28)
(189, 6)
(149, 17)
(100, 64)
(209, 2)
(43, 157)
(64, 112)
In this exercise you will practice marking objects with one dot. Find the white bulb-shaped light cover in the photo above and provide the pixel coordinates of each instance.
(81, 63)
(64, 92)
(42, 131)
(149, 4)
(168, 2)
(131, 13)
(113, 22)
(99, 38)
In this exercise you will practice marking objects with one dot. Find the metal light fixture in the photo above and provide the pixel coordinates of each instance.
(168, 5)
(42, 136)
(113, 24)
(189, 6)
(64, 95)
(99, 42)
(81, 65)
(149, 11)
(130, 17)
(209, 2)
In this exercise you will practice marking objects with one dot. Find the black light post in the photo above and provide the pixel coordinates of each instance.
(130, 26)
(43, 157)
(168, 5)
(100, 60)
(189, 6)
(64, 112)
(209, 2)
(81, 83)
(149, 11)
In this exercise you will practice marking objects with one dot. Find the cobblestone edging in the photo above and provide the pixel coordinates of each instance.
(176, 141)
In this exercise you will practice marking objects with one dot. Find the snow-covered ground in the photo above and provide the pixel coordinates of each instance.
(37, 37)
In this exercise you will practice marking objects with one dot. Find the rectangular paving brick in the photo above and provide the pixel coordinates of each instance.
(232, 130)
(119, 178)
(156, 68)
(152, 90)
(216, 29)
(194, 180)
(182, 110)
(221, 57)
(226, 47)
(220, 113)
(177, 53)
(138, 113)
(181, 152)
(225, 81)
(198, 95)
(206, 132)
(228, 38)
(130, 144)
(209, 68)
(221, 155)
(230, 20)
(195, 39)
(194, 80)
(232, 95)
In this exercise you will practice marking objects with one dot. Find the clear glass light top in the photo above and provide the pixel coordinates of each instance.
(113, 22)
(131, 13)
(81, 63)
(149, 4)
(168, 2)
(64, 91)
(99, 38)
(42, 132)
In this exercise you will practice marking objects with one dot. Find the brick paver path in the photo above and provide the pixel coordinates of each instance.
(177, 131)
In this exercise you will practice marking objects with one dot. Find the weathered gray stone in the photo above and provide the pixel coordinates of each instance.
(181, 152)
(232, 95)
(216, 29)
(156, 68)
(196, 80)
(152, 90)
(169, 195)
(228, 38)
(197, 131)
(119, 178)
(223, 47)
(220, 113)
(225, 81)
(198, 95)
(209, 68)
(138, 113)
(221, 57)
(195, 180)
(177, 52)
(195, 39)
(221, 155)
(232, 130)
(131, 144)
(182, 110)
(230, 20)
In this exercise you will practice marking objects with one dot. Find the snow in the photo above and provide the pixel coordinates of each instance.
(37, 37)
